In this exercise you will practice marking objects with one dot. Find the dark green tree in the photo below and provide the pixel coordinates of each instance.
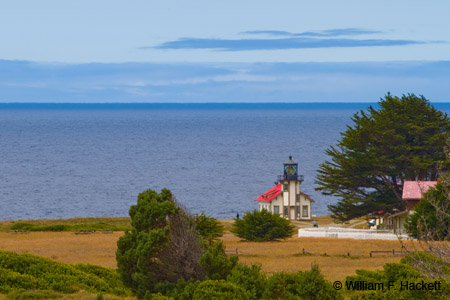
(163, 245)
(308, 285)
(261, 226)
(217, 264)
(209, 228)
(250, 278)
(428, 222)
(402, 140)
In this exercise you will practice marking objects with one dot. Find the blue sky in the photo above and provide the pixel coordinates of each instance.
(223, 51)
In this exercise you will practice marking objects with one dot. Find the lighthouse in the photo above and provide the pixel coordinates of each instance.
(285, 198)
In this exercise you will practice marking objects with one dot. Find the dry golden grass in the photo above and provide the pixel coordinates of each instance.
(329, 253)
(99, 249)
(227, 225)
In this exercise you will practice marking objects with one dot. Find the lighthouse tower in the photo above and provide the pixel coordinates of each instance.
(290, 185)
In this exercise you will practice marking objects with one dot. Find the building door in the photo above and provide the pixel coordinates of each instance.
(292, 213)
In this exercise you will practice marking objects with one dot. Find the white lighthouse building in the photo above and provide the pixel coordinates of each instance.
(285, 198)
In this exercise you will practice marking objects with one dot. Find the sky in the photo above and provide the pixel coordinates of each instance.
(223, 51)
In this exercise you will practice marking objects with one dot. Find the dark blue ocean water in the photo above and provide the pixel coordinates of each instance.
(62, 161)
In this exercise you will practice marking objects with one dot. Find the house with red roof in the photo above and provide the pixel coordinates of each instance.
(412, 193)
(285, 198)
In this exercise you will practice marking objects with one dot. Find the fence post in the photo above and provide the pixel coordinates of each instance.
(393, 252)
(237, 251)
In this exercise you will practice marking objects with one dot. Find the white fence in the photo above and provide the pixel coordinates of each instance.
(349, 233)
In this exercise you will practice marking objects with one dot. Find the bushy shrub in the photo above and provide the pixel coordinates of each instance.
(32, 227)
(157, 296)
(219, 290)
(216, 263)
(308, 285)
(250, 279)
(209, 228)
(24, 294)
(427, 222)
(109, 276)
(26, 271)
(13, 280)
(183, 290)
(262, 226)
(427, 263)
(394, 276)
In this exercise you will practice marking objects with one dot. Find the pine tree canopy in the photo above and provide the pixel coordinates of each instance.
(402, 140)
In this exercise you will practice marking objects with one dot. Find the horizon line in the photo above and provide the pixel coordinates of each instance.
(197, 103)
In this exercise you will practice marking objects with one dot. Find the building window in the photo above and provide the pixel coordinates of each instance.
(285, 211)
(276, 209)
(305, 211)
(297, 197)
(285, 187)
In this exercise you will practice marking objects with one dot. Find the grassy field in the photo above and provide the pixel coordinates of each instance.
(330, 254)
(99, 248)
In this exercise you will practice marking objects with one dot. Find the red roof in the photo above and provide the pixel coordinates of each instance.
(270, 194)
(275, 191)
(416, 189)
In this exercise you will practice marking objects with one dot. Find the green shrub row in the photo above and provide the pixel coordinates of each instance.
(249, 283)
(67, 227)
(26, 271)
(395, 277)
(227, 279)
(39, 294)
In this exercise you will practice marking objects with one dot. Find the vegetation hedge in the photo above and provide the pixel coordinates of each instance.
(216, 263)
(26, 271)
(308, 285)
(25, 294)
(209, 228)
(218, 290)
(394, 277)
(66, 227)
(261, 226)
(250, 278)
(427, 222)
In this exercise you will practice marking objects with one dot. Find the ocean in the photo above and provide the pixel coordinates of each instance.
(90, 160)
